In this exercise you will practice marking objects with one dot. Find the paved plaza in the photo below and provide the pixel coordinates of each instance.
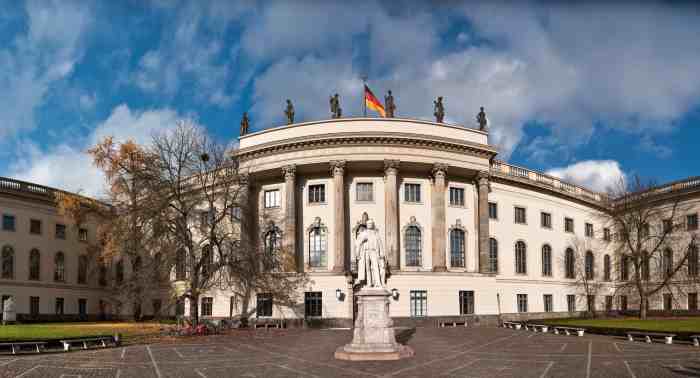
(451, 352)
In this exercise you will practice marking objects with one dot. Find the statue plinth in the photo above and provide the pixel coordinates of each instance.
(373, 337)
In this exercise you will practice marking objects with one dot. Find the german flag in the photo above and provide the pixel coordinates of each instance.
(371, 102)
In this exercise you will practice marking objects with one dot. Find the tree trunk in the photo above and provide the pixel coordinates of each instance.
(194, 309)
(642, 307)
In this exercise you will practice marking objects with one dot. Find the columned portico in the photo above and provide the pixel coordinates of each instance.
(391, 192)
(338, 171)
(483, 197)
(290, 227)
(438, 217)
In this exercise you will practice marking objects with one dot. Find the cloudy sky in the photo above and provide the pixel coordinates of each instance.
(586, 92)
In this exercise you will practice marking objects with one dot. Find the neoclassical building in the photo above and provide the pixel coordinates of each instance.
(466, 235)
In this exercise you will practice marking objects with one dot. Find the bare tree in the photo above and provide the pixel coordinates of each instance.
(580, 264)
(654, 253)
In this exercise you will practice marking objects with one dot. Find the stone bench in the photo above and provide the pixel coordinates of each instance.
(452, 323)
(541, 327)
(648, 336)
(568, 330)
(268, 325)
(15, 347)
(695, 339)
(515, 325)
(101, 341)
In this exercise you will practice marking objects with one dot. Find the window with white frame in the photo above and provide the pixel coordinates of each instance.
(456, 196)
(419, 303)
(364, 192)
(264, 304)
(317, 193)
(571, 303)
(546, 260)
(546, 220)
(411, 192)
(317, 246)
(313, 304)
(520, 215)
(589, 230)
(520, 258)
(412, 240)
(207, 306)
(522, 302)
(457, 237)
(548, 302)
(493, 210)
(568, 225)
(466, 302)
(493, 255)
(272, 198)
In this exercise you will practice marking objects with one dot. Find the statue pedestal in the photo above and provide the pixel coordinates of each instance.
(373, 336)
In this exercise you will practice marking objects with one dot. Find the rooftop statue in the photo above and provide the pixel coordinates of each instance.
(389, 106)
(289, 112)
(336, 111)
(482, 120)
(439, 110)
(244, 124)
(371, 261)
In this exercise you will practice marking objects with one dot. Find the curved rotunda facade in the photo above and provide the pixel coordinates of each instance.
(466, 236)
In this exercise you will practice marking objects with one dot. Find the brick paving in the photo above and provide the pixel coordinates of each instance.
(446, 352)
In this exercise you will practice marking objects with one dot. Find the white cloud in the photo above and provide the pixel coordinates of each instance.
(598, 175)
(68, 166)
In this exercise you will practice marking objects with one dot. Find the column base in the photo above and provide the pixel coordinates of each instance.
(338, 269)
(439, 269)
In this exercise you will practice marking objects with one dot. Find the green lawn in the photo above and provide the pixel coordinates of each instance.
(73, 330)
(660, 324)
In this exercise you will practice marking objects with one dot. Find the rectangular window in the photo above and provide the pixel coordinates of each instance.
(668, 226)
(34, 306)
(232, 306)
(82, 307)
(520, 216)
(313, 303)
(589, 230)
(272, 198)
(317, 193)
(8, 222)
(568, 225)
(59, 306)
(35, 226)
(493, 210)
(264, 304)
(590, 302)
(364, 191)
(668, 302)
(83, 234)
(546, 220)
(692, 301)
(571, 303)
(466, 302)
(608, 303)
(180, 307)
(60, 231)
(235, 214)
(411, 193)
(419, 303)
(623, 303)
(522, 302)
(457, 196)
(548, 303)
(692, 222)
(207, 306)
(606, 234)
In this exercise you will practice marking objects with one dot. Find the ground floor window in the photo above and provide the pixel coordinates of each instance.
(180, 308)
(233, 306)
(419, 303)
(34, 306)
(623, 303)
(668, 302)
(608, 303)
(522, 302)
(693, 301)
(207, 306)
(548, 303)
(264, 304)
(59, 306)
(82, 307)
(590, 302)
(313, 303)
(466, 302)
(571, 303)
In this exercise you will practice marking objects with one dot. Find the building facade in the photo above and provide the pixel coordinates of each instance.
(466, 236)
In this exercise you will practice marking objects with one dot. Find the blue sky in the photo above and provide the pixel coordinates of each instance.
(587, 92)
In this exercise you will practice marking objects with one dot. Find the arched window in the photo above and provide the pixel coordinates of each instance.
(119, 272)
(569, 262)
(82, 269)
(59, 272)
(412, 237)
(318, 249)
(493, 255)
(273, 244)
(693, 260)
(34, 265)
(457, 248)
(207, 260)
(606, 267)
(546, 260)
(590, 265)
(520, 257)
(668, 262)
(8, 262)
(180, 265)
(624, 268)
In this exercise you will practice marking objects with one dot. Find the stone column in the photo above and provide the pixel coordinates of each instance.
(246, 216)
(290, 224)
(482, 180)
(391, 209)
(338, 171)
(438, 218)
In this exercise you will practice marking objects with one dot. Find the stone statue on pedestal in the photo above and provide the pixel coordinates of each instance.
(389, 105)
(371, 261)
(289, 112)
(439, 110)
(336, 111)
(9, 311)
(482, 120)
(244, 124)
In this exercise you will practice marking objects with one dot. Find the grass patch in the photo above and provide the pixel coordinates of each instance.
(54, 331)
(673, 325)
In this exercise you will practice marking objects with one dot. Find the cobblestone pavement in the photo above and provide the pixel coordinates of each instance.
(449, 352)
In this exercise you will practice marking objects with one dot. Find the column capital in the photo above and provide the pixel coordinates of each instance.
(391, 167)
(289, 172)
(439, 170)
(482, 177)
(337, 167)
(244, 180)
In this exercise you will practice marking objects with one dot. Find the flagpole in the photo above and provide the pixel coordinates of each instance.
(364, 102)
